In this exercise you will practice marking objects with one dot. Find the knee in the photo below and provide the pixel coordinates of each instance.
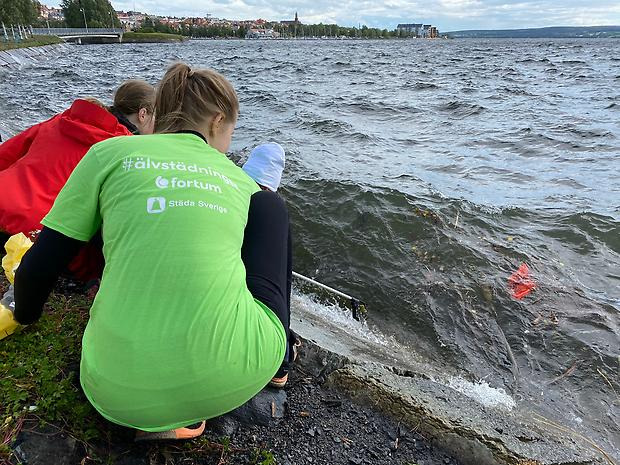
(270, 204)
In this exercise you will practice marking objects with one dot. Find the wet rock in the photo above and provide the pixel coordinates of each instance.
(436, 411)
(45, 447)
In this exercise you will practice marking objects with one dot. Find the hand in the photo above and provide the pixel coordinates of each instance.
(8, 300)
(8, 325)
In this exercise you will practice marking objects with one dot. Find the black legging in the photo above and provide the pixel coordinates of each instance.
(266, 253)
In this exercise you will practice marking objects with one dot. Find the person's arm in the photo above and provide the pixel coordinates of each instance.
(38, 272)
(73, 220)
(17, 146)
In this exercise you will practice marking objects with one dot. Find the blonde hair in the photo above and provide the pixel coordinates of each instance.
(94, 101)
(133, 95)
(187, 98)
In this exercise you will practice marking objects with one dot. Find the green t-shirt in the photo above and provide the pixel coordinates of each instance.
(174, 335)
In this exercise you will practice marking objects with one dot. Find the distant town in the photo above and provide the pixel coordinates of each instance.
(209, 26)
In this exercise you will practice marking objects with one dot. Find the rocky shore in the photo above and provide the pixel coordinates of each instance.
(17, 57)
(339, 408)
(453, 418)
(307, 423)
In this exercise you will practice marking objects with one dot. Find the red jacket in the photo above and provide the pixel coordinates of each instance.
(35, 164)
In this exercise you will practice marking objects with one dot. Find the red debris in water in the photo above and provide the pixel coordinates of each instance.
(520, 282)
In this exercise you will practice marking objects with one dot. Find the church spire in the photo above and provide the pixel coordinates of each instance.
(296, 18)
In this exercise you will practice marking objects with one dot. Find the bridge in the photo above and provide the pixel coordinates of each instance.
(77, 34)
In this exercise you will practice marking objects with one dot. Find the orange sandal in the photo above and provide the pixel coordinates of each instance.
(174, 434)
(281, 377)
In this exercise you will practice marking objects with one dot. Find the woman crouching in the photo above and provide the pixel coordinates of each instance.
(191, 318)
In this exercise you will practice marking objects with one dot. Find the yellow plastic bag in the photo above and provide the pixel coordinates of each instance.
(8, 325)
(16, 247)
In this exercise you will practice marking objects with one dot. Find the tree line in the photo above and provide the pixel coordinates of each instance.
(285, 30)
(78, 13)
(333, 30)
(100, 13)
(23, 12)
(94, 13)
(155, 25)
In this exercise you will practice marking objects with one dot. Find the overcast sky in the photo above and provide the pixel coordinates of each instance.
(446, 14)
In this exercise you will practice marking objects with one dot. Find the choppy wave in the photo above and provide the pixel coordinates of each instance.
(442, 268)
(461, 109)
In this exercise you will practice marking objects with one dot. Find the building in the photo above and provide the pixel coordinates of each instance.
(412, 29)
(261, 33)
(130, 20)
(51, 13)
(424, 31)
(295, 22)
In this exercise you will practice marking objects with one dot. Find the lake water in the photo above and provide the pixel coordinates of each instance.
(420, 175)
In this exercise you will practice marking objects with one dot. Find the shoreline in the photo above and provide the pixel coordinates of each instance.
(151, 38)
(418, 395)
(339, 407)
(36, 41)
(16, 57)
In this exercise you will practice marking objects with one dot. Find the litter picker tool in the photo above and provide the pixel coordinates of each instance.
(358, 307)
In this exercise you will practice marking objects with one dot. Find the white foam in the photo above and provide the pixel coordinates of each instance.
(337, 316)
(333, 316)
(481, 392)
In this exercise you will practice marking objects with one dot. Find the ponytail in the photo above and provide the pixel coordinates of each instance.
(187, 98)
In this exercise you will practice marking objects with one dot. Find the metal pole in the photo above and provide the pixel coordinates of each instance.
(85, 23)
(323, 286)
(49, 31)
(359, 308)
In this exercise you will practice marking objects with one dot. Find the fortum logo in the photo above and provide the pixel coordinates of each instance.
(161, 182)
(176, 183)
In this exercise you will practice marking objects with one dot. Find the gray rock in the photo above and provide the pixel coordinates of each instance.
(411, 394)
(224, 425)
(263, 409)
(51, 447)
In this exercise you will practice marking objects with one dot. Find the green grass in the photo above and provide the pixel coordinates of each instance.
(36, 41)
(38, 372)
(262, 457)
(146, 37)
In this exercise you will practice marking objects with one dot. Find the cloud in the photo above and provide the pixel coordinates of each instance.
(446, 14)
